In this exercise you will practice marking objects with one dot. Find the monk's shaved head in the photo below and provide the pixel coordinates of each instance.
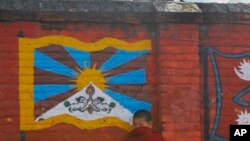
(143, 114)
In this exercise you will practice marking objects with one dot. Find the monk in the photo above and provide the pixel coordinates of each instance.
(143, 128)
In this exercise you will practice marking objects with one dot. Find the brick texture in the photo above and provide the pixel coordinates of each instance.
(177, 77)
(179, 81)
(228, 39)
(9, 83)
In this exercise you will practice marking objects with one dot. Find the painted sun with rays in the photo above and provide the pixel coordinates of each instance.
(72, 72)
(90, 75)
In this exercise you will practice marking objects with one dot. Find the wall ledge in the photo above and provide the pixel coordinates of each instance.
(122, 11)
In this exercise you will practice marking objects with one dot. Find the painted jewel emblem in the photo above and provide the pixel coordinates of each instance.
(89, 104)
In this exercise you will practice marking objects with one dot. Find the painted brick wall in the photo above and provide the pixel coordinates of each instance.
(191, 73)
(180, 80)
(11, 32)
(173, 76)
(226, 98)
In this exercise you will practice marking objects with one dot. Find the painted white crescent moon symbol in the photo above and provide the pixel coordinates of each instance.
(244, 70)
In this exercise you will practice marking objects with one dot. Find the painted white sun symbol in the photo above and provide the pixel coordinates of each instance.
(244, 118)
(243, 71)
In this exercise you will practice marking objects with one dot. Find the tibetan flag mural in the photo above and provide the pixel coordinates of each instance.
(228, 79)
(89, 85)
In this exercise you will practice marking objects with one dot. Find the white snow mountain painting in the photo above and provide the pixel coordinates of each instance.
(90, 103)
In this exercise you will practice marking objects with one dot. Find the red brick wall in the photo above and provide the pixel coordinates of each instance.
(176, 77)
(232, 41)
(9, 83)
(10, 120)
(179, 81)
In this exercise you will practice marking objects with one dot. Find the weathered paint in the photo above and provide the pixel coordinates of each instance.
(31, 44)
(226, 112)
(120, 116)
(179, 71)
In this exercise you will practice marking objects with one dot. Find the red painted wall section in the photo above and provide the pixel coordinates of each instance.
(9, 84)
(9, 109)
(228, 44)
(180, 82)
(233, 35)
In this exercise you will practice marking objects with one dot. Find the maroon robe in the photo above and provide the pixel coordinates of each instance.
(143, 134)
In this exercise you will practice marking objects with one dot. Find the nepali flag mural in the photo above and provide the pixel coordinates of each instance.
(226, 90)
(89, 85)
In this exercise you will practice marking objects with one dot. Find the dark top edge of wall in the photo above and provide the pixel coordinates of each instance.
(122, 11)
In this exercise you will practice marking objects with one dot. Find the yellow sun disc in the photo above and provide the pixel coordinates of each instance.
(90, 75)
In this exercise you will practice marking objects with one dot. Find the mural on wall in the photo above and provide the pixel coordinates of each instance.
(64, 80)
(226, 92)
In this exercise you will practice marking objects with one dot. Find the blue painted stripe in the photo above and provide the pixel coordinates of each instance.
(218, 93)
(41, 92)
(80, 57)
(230, 55)
(42, 61)
(119, 58)
(213, 134)
(133, 77)
(238, 98)
(129, 103)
